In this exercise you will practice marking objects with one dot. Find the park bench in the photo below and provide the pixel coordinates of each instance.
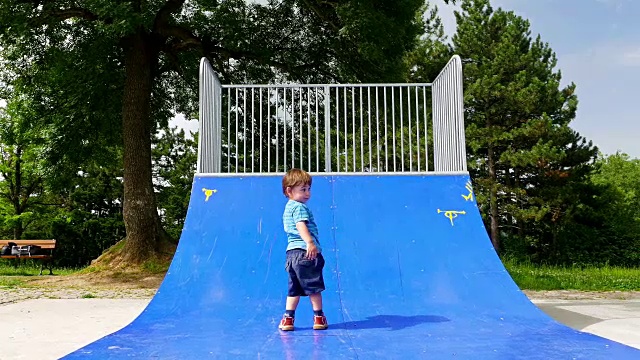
(45, 255)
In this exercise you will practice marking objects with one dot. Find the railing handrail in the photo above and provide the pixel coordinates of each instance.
(281, 124)
(298, 85)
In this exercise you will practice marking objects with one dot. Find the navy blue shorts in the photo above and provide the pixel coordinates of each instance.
(305, 276)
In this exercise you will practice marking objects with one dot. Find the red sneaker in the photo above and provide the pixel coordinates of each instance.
(320, 322)
(286, 324)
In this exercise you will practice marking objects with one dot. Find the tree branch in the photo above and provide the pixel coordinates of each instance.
(162, 17)
(187, 39)
(46, 204)
(172, 59)
(64, 14)
(182, 39)
(25, 225)
(311, 4)
(70, 13)
(27, 194)
(12, 190)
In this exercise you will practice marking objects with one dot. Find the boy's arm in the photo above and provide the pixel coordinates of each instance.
(312, 250)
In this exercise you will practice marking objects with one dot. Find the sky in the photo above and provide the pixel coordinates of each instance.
(597, 43)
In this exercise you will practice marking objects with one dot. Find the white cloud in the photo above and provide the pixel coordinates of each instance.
(613, 54)
(617, 4)
(631, 57)
(181, 122)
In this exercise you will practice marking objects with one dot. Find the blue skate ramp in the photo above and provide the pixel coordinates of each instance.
(410, 274)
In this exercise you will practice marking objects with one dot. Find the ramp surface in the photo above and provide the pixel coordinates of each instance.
(410, 273)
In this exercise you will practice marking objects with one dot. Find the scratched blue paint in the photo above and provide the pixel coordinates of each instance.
(404, 281)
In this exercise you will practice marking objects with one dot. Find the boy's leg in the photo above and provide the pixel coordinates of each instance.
(293, 295)
(292, 303)
(319, 320)
(286, 324)
(316, 301)
(312, 281)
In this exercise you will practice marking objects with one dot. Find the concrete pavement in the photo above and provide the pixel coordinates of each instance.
(46, 329)
(60, 326)
(618, 320)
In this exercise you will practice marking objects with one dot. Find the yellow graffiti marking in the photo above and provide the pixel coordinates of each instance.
(208, 193)
(470, 196)
(451, 214)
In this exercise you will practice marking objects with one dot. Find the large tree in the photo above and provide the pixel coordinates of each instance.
(21, 170)
(524, 155)
(619, 239)
(108, 72)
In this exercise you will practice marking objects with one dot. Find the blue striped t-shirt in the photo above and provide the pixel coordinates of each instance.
(295, 212)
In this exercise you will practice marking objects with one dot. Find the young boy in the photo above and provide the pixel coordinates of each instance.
(304, 254)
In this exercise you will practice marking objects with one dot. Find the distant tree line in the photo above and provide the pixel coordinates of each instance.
(85, 86)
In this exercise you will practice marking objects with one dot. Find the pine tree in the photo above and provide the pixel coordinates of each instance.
(523, 154)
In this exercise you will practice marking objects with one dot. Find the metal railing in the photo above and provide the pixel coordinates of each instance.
(331, 128)
(448, 119)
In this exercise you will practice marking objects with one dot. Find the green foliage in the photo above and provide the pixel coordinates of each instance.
(89, 219)
(21, 169)
(621, 175)
(379, 32)
(601, 225)
(431, 53)
(79, 205)
(618, 179)
(174, 158)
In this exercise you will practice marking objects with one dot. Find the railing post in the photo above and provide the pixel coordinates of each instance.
(327, 129)
(448, 118)
(210, 120)
(459, 108)
(217, 130)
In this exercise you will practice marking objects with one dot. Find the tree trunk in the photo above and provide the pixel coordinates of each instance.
(493, 201)
(17, 227)
(511, 197)
(17, 230)
(520, 222)
(139, 210)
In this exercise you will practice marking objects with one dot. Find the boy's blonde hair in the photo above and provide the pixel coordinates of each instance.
(295, 177)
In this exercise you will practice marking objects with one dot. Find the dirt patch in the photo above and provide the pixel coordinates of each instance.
(13, 295)
(98, 280)
(582, 295)
(116, 257)
(111, 271)
(118, 280)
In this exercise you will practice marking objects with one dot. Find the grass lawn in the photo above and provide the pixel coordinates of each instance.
(11, 276)
(606, 278)
(527, 276)
(29, 269)
(147, 275)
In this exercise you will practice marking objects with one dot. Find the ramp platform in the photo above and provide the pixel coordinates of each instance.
(410, 274)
